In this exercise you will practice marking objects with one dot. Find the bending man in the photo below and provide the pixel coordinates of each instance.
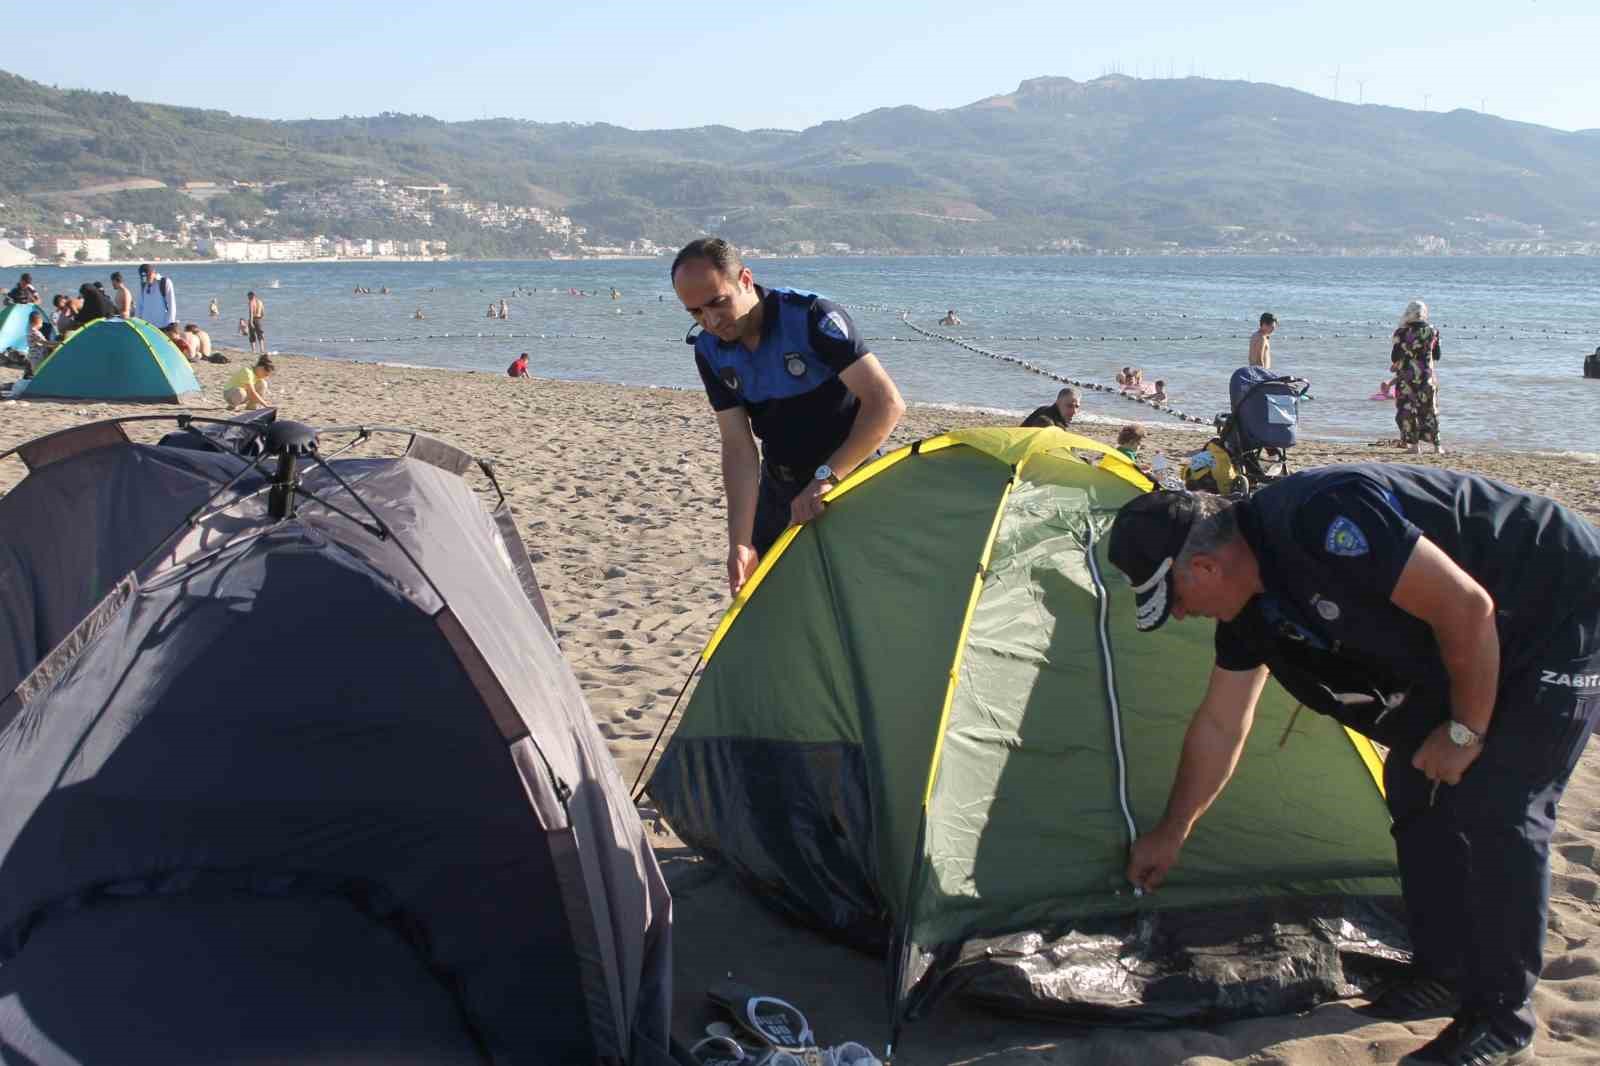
(1453, 619)
(791, 369)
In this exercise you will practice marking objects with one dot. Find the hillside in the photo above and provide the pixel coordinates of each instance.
(1058, 164)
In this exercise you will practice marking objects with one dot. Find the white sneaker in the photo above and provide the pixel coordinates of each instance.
(1416, 448)
(1438, 449)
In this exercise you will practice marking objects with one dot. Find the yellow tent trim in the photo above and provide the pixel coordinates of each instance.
(1369, 755)
(1013, 446)
(961, 642)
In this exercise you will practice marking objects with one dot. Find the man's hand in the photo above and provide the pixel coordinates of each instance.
(742, 560)
(1441, 760)
(808, 504)
(1152, 856)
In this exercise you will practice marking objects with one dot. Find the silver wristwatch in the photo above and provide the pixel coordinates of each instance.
(825, 473)
(1463, 737)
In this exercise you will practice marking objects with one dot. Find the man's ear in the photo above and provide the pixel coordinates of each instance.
(746, 279)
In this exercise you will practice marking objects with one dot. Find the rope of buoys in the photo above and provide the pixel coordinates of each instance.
(1167, 409)
(467, 336)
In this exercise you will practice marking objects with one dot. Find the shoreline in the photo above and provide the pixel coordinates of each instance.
(617, 493)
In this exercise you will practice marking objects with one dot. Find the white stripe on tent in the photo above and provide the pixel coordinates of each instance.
(1111, 688)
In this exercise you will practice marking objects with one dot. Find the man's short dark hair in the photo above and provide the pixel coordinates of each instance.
(145, 270)
(1268, 318)
(116, 275)
(714, 250)
(1069, 391)
(26, 279)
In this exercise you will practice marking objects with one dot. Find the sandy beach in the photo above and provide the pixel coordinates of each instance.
(618, 493)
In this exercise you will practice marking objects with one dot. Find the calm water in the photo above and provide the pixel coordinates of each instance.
(1515, 331)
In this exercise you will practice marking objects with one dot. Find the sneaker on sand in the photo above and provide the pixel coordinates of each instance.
(1472, 1040)
(1413, 999)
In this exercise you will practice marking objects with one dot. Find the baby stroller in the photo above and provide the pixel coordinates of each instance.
(1257, 432)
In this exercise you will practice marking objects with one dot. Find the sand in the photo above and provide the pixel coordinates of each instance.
(618, 493)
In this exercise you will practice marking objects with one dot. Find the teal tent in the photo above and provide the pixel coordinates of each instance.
(14, 326)
(113, 359)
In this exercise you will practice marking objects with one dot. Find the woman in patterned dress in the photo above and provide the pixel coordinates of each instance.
(1416, 393)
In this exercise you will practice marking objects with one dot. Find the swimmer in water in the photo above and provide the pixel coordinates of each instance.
(418, 315)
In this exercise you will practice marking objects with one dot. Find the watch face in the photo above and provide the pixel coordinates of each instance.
(824, 473)
(1460, 735)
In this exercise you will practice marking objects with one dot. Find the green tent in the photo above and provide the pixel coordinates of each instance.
(119, 359)
(14, 325)
(928, 722)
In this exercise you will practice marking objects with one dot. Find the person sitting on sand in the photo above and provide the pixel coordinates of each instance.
(1160, 395)
(519, 366)
(1058, 414)
(93, 305)
(199, 341)
(950, 318)
(180, 341)
(247, 386)
(1130, 439)
(39, 346)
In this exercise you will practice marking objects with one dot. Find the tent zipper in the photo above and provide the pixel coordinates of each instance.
(1103, 634)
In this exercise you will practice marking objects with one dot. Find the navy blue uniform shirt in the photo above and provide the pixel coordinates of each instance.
(1331, 544)
(790, 385)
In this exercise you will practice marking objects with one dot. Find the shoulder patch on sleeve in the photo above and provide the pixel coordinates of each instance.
(834, 324)
(1344, 537)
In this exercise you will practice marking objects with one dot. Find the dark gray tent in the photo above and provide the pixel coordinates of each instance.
(295, 787)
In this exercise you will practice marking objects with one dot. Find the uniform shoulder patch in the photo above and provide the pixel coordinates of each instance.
(1344, 537)
(834, 324)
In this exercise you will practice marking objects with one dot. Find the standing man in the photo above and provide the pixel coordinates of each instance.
(121, 295)
(257, 330)
(1059, 414)
(1453, 619)
(1260, 342)
(158, 304)
(791, 369)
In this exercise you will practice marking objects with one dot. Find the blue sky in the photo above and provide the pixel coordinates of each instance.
(653, 65)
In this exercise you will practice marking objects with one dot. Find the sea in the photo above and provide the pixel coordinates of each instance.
(1514, 331)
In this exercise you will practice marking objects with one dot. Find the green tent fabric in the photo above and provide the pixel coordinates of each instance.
(14, 326)
(929, 721)
(113, 359)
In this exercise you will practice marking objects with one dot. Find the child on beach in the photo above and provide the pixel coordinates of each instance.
(247, 386)
(519, 366)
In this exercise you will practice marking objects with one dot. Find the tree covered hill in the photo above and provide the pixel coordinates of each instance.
(1113, 162)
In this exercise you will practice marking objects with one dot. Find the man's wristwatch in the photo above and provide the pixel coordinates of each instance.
(825, 473)
(1462, 736)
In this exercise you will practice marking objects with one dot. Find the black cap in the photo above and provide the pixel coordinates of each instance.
(1146, 537)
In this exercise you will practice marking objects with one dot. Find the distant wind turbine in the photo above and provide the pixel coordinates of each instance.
(1361, 90)
(1336, 71)
(1425, 98)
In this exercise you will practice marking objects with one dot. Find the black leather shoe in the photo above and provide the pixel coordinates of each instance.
(1472, 1040)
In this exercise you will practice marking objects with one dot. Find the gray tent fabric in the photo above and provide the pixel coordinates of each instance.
(271, 792)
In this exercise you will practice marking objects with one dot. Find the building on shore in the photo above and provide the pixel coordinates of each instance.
(93, 248)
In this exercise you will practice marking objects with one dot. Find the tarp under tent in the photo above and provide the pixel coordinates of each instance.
(928, 727)
(112, 359)
(292, 770)
(14, 326)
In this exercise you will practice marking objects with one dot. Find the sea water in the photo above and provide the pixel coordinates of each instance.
(1514, 331)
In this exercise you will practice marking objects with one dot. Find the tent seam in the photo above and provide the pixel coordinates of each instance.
(1113, 705)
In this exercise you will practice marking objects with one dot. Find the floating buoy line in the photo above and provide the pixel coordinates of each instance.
(1035, 368)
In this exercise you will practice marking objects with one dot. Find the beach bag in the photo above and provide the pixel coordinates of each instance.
(1210, 470)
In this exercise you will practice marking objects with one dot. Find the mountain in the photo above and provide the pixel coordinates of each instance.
(1185, 163)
